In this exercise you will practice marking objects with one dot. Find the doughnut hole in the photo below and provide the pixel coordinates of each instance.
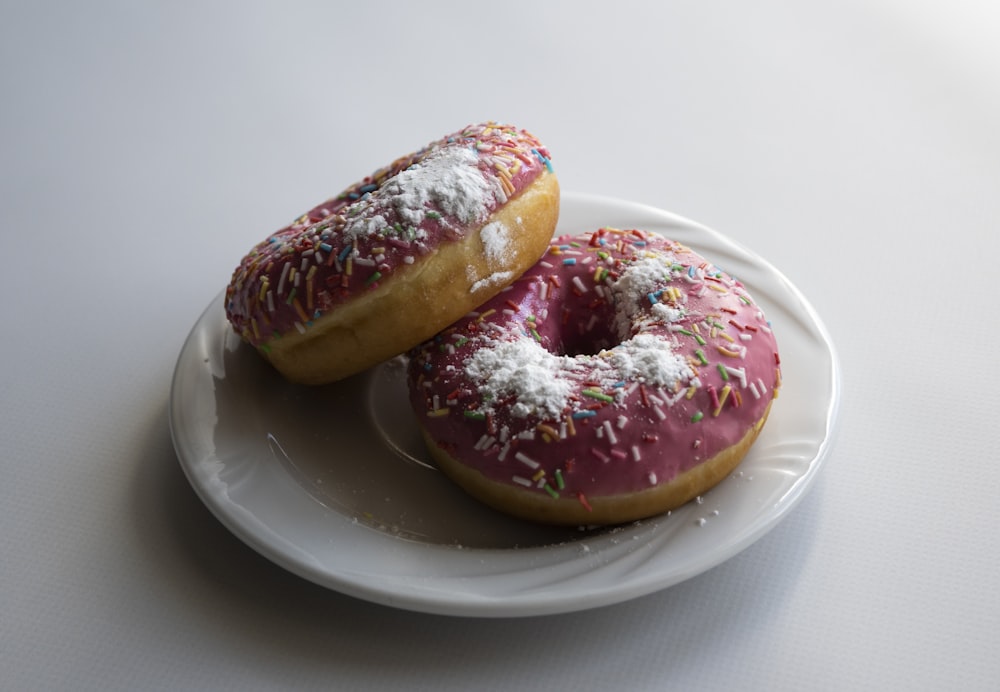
(579, 325)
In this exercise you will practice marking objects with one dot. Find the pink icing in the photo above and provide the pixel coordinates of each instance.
(617, 362)
(392, 219)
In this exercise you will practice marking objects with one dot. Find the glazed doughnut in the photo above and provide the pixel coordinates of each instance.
(397, 257)
(620, 377)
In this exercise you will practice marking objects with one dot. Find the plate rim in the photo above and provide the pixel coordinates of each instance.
(447, 602)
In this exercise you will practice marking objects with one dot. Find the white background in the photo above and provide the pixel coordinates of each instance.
(145, 146)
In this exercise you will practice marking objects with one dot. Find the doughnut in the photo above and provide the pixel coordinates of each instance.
(397, 257)
(620, 377)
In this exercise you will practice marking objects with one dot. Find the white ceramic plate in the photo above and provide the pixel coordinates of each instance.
(333, 483)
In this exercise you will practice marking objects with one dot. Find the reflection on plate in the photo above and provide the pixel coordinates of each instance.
(333, 483)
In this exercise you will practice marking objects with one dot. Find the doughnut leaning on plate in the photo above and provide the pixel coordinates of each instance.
(620, 377)
(398, 256)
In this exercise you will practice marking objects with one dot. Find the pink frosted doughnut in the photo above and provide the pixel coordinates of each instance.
(618, 378)
(397, 257)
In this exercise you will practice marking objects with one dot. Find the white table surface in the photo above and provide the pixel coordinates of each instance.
(146, 146)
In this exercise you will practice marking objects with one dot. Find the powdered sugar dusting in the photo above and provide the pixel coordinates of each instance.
(494, 279)
(650, 359)
(539, 381)
(666, 313)
(496, 243)
(448, 181)
(643, 277)
(630, 290)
